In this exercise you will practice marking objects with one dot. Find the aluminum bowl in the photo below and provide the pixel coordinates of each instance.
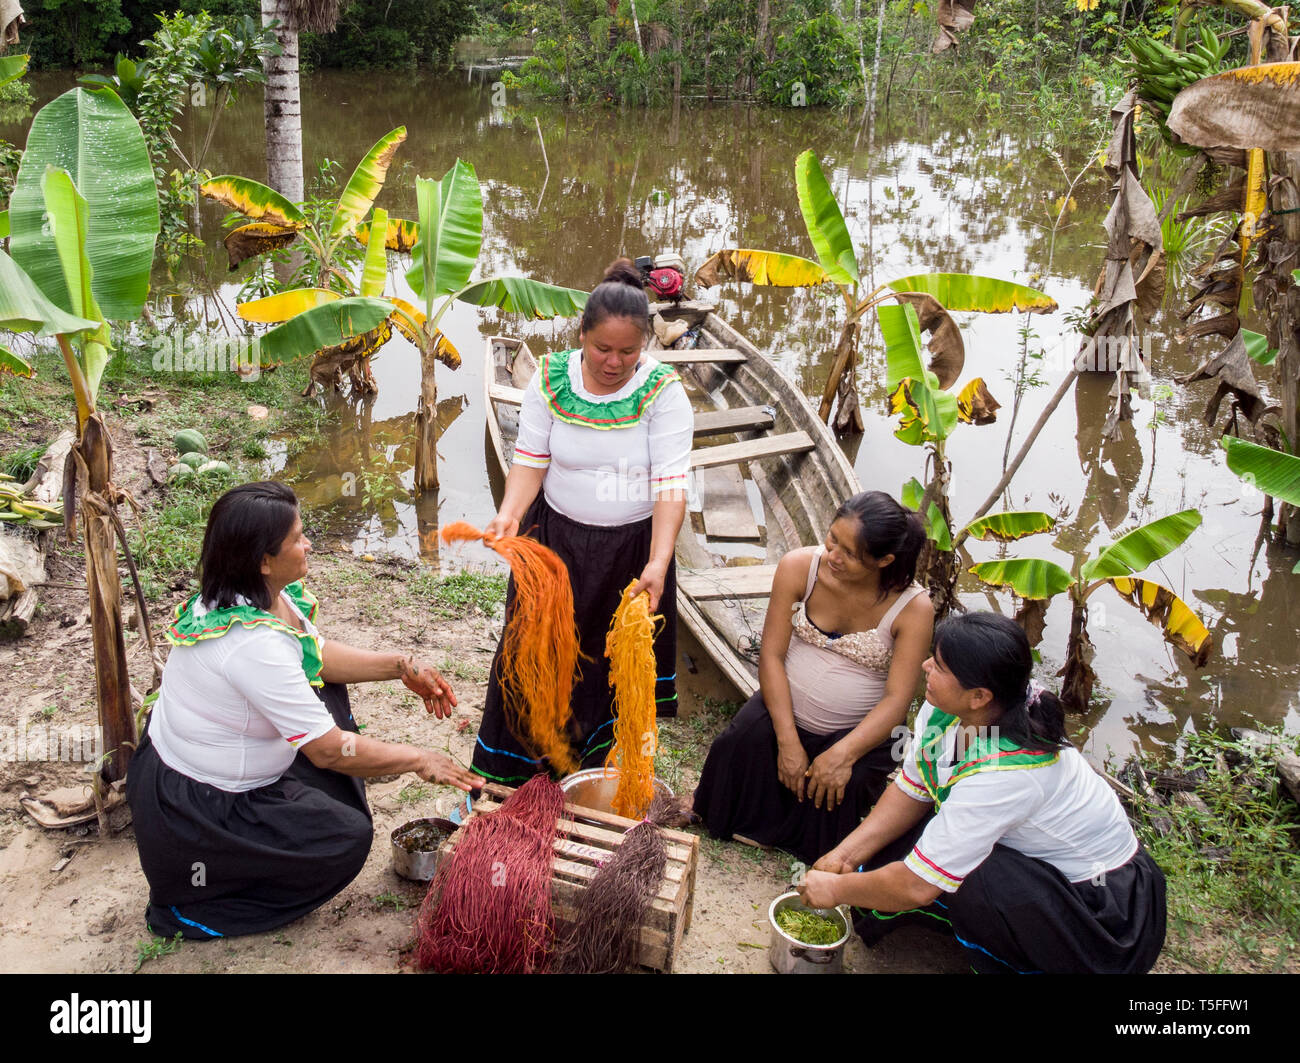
(595, 788)
(791, 956)
(420, 865)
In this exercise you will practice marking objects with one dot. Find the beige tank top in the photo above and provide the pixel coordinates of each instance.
(836, 680)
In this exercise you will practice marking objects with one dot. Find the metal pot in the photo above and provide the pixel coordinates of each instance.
(595, 788)
(790, 956)
(420, 865)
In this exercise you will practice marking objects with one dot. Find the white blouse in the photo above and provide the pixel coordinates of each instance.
(612, 477)
(233, 711)
(1062, 813)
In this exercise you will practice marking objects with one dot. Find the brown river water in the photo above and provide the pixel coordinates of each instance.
(930, 188)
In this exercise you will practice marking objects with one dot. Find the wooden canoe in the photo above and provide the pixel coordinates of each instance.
(767, 476)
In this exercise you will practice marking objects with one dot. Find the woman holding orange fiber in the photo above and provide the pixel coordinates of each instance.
(599, 475)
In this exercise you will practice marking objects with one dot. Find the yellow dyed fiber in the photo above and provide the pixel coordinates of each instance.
(630, 649)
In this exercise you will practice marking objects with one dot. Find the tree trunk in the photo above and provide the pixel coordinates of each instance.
(426, 425)
(283, 106)
(1077, 673)
(104, 586)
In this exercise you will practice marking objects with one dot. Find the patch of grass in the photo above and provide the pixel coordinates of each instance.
(413, 793)
(1230, 858)
(151, 950)
(461, 593)
(470, 673)
(391, 901)
(21, 463)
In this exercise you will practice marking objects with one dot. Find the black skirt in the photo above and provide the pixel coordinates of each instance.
(740, 792)
(1019, 915)
(601, 562)
(221, 864)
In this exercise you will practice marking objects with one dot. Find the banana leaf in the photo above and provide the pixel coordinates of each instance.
(25, 308)
(90, 134)
(256, 238)
(276, 308)
(11, 363)
(523, 296)
(323, 328)
(967, 291)
(365, 184)
(975, 405)
(1180, 626)
(4, 224)
(1271, 471)
(12, 67)
(1249, 107)
(826, 228)
(760, 267)
(925, 413)
(400, 235)
(1257, 348)
(451, 232)
(911, 495)
(67, 211)
(1143, 546)
(1009, 526)
(374, 272)
(254, 200)
(1029, 577)
(902, 334)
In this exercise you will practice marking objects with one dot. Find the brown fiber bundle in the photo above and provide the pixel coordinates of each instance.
(539, 656)
(488, 909)
(605, 937)
(630, 647)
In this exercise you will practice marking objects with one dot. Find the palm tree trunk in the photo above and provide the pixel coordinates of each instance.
(283, 106)
(426, 424)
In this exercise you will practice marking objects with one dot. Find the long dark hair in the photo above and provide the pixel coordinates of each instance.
(621, 293)
(246, 523)
(885, 527)
(991, 651)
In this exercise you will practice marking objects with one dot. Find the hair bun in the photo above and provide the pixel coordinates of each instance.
(623, 271)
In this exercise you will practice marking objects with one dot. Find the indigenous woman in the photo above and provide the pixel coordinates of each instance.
(998, 828)
(246, 791)
(599, 476)
(845, 635)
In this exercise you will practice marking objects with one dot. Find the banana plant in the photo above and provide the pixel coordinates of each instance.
(445, 243)
(338, 326)
(933, 294)
(84, 218)
(1037, 581)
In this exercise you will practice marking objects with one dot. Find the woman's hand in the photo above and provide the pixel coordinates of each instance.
(429, 684)
(792, 766)
(819, 889)
(828, 778)
(442, 769)
(652, 580)
(836, 863)
(501, 526)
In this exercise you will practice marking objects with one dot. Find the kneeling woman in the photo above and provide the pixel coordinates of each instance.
(997, 826)
(246, 791)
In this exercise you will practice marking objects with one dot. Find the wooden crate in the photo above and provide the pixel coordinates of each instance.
(586, 841)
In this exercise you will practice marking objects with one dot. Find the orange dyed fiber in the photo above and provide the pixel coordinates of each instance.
(630, 647)
(539, 657)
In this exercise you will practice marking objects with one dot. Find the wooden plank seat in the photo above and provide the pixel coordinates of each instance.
(751, 449)
(717, 584)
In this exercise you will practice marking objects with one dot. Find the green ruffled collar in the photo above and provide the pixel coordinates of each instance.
(556, 384)
(189, 627)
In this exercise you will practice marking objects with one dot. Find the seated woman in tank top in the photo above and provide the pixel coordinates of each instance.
(846, 632)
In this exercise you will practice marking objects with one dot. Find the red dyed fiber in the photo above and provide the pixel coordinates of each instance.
(488, 909)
